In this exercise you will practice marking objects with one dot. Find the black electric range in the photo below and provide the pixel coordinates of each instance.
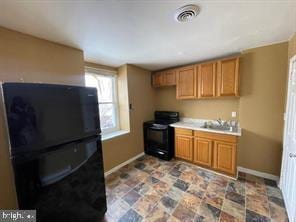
(159, 136)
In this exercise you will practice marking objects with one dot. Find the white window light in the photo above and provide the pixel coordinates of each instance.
(106, 84)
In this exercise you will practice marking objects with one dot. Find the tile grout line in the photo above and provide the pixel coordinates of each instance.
(123, 182)
(121, 198)
(245, 187)
(256, 182)
(170, 181)
(132, 207)
(173, 210)
(156, 204)
(202, 199)
(269, 210)
(265, 192)
(223, 201)
(179, 203)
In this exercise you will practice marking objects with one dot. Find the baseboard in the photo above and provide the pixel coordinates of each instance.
(258, 173)
(215, 172)
(123, 164)
(208, 170)
(239, 168)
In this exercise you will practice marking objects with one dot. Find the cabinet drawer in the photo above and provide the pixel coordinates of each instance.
(181, 131)
(216, 136)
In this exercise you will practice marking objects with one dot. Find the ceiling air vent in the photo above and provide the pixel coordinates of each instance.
(186, 13)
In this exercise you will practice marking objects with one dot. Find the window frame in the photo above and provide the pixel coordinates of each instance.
(115, 102)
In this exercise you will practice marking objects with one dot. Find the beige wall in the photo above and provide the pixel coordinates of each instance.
(29, 59)
(36, 60)
(260, 107)
(263, 85)
(292, 46)
(33, 60)
(202, 109)
(142, 97)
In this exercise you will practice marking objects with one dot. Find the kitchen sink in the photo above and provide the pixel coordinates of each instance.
(219, 127)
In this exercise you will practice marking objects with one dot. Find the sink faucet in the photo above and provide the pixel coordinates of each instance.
(220, 122)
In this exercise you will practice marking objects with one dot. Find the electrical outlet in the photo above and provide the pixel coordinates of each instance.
(233, 114)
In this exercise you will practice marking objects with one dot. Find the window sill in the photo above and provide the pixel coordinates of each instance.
(108, 136)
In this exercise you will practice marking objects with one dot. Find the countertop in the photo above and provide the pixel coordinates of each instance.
(196, 124)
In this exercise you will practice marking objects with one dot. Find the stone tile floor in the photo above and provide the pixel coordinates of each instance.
(150, 189)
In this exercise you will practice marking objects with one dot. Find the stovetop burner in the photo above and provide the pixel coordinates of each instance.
(164, 118)
(161, 122)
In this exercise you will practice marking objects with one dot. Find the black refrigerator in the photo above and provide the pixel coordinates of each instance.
(56, 151)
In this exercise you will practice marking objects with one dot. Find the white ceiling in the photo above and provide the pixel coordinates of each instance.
(144, 32)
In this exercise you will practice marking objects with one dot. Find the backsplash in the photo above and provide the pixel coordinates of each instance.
(198, 109)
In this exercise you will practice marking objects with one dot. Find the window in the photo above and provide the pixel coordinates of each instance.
(106, 85)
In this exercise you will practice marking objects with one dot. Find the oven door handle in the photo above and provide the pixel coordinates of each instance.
(159, 129)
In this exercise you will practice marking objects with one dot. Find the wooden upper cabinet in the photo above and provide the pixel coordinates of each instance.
(206, 80)
(170, 77)
(164, 78)
(186, 82)
(225, 157)
(202, 151)
(218, 78)
(228, 77)
(157, 79)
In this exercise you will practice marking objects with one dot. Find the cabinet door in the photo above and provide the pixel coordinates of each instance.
(186, 83)
(170, 77)
(228, 77)
(183, 147)
(225, 157)
(157, 79)
(207, 80)
(202, 151)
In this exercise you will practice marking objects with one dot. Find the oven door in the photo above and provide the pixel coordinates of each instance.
(156, 138)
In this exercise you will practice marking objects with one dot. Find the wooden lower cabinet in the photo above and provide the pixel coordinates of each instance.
(202, 151)
(211, 150)
(225, 157)
(183, 147)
